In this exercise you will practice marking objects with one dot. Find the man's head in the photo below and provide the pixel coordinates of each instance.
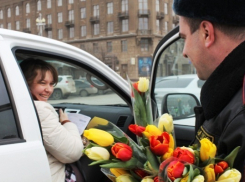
(211, 29)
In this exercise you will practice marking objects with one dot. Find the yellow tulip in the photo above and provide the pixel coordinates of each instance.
(118, 171)
(231, 175)
(168, 154)
(171, 142)
(147, 180)
(151, 130)
(207, 149)
(143, 84)
(166, 120)
(95, 121)
(97, 153)
(125, 178)
(209, 173)
(185, 179)
(198, 178)
(100, 137)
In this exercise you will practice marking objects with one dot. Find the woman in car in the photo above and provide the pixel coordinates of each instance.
(61, 138)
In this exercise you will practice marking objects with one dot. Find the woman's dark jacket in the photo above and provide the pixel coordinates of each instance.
(222, 115)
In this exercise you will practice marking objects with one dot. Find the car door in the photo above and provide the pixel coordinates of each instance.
(175, 87)
(115, 105)
(22, 154)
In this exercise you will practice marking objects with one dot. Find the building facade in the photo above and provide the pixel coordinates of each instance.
(121, 33)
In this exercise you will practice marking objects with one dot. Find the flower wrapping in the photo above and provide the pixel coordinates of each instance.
(154, 157)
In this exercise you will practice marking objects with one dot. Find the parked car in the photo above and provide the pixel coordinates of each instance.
(64, 87)
(20, 133)
(84, 88)
(189, 83)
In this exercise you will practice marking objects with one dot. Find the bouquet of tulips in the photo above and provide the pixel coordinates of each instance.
(155, 157)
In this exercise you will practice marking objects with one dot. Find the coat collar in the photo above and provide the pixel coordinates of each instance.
(223, 83)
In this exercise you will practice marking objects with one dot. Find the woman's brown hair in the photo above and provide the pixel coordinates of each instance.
(30, 66)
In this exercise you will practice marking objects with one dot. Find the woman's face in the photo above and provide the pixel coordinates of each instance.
(42, 89)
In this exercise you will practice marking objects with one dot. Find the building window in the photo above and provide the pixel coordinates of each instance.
(82, 46)
(49, 34)
(1, 25)
(49, 4)
(96, 10)
(125, 25)
(27, 8)
(83, 31)
(17, 25)
(28, 23)
(17, 11)
(143, 4)
(9, 13)
(158, 26)
(124, 5)
(166, 8)
(71, 32)
(124, 46)
(96, 29)
(143, 23)
(110, 27)
(144, 44)
(9, 26)
(166, 26)
(39, 6)
(71, 1)
(109, 8)
(49, 19)
(1, 14)
(95, 48)
(157, 6)
(59, 2)
(71, 15)
(109, 46)
(60, 34)
(83, 13)
(60, 17)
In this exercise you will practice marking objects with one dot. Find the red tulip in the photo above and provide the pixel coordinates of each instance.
(156, 179)
(175, 170)
(220, 167)
(122, 151)
(140, 173)
(137, 130)
(135, 85)
(184, 155)
(159, 144)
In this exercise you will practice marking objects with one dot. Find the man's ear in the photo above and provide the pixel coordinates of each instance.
(207, 33)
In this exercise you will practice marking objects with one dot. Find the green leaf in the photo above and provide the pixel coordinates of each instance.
(191, 174)
(152, 159)
(231, 157)
(132, 163)
(99, 162)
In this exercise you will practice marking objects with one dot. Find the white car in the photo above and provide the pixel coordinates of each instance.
(22, 152)
(64, 87)
(189, 84)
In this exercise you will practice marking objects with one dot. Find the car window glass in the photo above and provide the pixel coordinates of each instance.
(73, 85)
(175, 74)
(8, 127)
(174, 83)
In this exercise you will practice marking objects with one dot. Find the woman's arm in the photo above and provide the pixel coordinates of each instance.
(61, 141)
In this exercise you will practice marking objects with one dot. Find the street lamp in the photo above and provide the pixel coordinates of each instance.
(40, 22)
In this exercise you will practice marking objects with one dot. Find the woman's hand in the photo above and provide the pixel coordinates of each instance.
(63, 116)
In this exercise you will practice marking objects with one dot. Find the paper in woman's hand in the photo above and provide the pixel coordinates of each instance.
(80, 120)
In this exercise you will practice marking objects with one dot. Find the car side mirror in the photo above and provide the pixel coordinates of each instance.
(179, 105)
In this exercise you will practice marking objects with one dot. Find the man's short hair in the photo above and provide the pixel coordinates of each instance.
(235, 32)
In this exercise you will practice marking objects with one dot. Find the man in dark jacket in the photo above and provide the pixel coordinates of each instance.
(214, 33)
